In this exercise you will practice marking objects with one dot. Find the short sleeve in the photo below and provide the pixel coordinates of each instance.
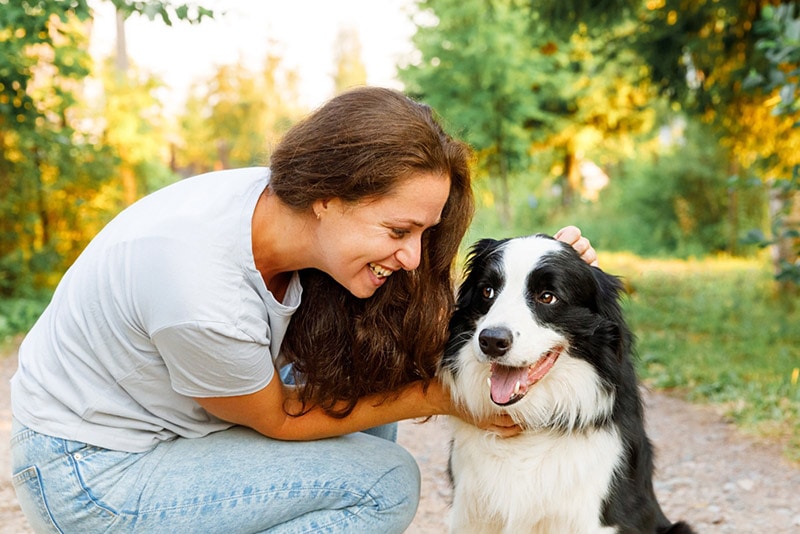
(207, 359)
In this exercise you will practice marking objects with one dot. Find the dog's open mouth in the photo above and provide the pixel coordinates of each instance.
(509, 384)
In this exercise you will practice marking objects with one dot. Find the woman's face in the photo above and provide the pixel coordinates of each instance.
(362, 244)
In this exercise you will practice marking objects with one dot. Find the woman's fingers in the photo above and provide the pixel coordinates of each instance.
(572, 236)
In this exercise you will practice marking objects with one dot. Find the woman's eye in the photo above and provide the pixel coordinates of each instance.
(547, 298)
(488, 292)
(399, 232)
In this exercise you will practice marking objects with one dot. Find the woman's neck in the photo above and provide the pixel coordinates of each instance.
(280, 241)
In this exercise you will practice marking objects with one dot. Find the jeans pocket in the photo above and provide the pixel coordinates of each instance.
(28, 486)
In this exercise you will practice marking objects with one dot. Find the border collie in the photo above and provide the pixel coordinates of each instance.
(540, 335)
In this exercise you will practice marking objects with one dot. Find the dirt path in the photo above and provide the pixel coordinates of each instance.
(708, 473)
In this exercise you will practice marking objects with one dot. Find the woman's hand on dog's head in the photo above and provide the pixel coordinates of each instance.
(571, 235)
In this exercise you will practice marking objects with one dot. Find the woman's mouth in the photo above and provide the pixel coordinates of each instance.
(378, 271)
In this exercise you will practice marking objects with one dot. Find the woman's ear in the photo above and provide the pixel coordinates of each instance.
(319, 208)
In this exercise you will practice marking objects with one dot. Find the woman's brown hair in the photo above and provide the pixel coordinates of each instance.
(359, 146)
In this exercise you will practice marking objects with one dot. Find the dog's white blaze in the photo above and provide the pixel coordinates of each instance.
(510, 309)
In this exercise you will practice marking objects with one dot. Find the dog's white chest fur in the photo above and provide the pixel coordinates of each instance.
(532, 483)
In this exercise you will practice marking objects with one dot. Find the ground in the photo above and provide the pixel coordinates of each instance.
(708, 473)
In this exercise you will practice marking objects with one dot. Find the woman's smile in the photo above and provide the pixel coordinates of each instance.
(379, 271)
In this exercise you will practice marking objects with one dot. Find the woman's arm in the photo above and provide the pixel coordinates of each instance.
(264, 411)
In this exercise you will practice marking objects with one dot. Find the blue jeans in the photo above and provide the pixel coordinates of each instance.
(231, 481)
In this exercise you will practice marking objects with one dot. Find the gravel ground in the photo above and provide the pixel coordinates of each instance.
(708, 473)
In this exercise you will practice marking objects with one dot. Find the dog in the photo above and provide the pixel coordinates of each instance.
(540, 335)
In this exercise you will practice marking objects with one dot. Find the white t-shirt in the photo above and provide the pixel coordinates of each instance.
(164, 304)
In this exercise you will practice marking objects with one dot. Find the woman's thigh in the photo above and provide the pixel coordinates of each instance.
(231, 481)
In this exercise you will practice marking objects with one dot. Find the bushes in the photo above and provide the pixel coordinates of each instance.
(679, 203)
(17, 315)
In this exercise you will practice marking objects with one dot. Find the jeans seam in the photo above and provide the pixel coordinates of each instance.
(360, 505)
(22, 435)
(24, 477)
(87, 491)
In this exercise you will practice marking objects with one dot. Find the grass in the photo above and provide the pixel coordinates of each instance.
(717, 331)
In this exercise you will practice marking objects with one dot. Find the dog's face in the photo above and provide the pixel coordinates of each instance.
(536, 333)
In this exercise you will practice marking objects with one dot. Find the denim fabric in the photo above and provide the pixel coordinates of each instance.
(230, 481)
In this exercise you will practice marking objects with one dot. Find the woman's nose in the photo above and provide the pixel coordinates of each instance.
(409, 254)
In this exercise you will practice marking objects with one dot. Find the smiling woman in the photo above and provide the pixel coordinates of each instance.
(403, 203)
(370, 191)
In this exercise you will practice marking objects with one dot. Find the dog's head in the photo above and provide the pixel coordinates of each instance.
(542, 328)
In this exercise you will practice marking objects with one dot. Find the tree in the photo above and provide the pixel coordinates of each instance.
(475, 72)
(350, 69)
(52, 166)
(233, 117)
(518, 81)
(779, 40)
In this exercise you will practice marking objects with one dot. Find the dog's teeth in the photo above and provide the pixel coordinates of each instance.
(517, 386)
(489, 381)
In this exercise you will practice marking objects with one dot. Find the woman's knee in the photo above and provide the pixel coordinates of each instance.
(395, 496)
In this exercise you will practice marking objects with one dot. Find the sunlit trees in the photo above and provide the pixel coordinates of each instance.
(55, 165)
(489, 86)
(779, 40)
(517, 82)
(349, 68)
(701, 54)
(49, 167)
(233, 118)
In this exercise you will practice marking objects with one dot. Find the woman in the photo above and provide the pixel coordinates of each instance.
(147, 396)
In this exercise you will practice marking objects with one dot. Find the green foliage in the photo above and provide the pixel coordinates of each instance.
(18, 315)
(166, 11)
(678, 202)
(514, 84)
(57, 170)
(482, 70)
(716, 330)
(233, 117)
(697, 50)
(779, 41)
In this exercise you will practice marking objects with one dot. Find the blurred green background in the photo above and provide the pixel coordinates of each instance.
(668, 130)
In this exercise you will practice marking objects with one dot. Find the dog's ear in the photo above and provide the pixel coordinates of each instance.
(610, 290)
(477, 251)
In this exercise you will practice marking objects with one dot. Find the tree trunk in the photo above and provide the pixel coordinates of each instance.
(505, 201)
(571, 177)
(121, 57)
(733, 209)
(784, 211)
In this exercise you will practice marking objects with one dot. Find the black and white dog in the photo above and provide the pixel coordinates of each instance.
(540, 335)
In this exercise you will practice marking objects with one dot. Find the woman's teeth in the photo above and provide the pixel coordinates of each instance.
(379, 271)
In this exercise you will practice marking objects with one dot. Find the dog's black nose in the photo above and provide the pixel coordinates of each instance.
(495, 342)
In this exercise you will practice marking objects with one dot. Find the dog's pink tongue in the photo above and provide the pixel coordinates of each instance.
(504, 380)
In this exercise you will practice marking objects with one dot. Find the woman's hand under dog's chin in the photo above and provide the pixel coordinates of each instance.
(501, 425)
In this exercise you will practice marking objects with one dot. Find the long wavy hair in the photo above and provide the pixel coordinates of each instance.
(358, 146)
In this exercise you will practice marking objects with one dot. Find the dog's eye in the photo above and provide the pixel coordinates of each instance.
(488, 292)
(545, 297)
